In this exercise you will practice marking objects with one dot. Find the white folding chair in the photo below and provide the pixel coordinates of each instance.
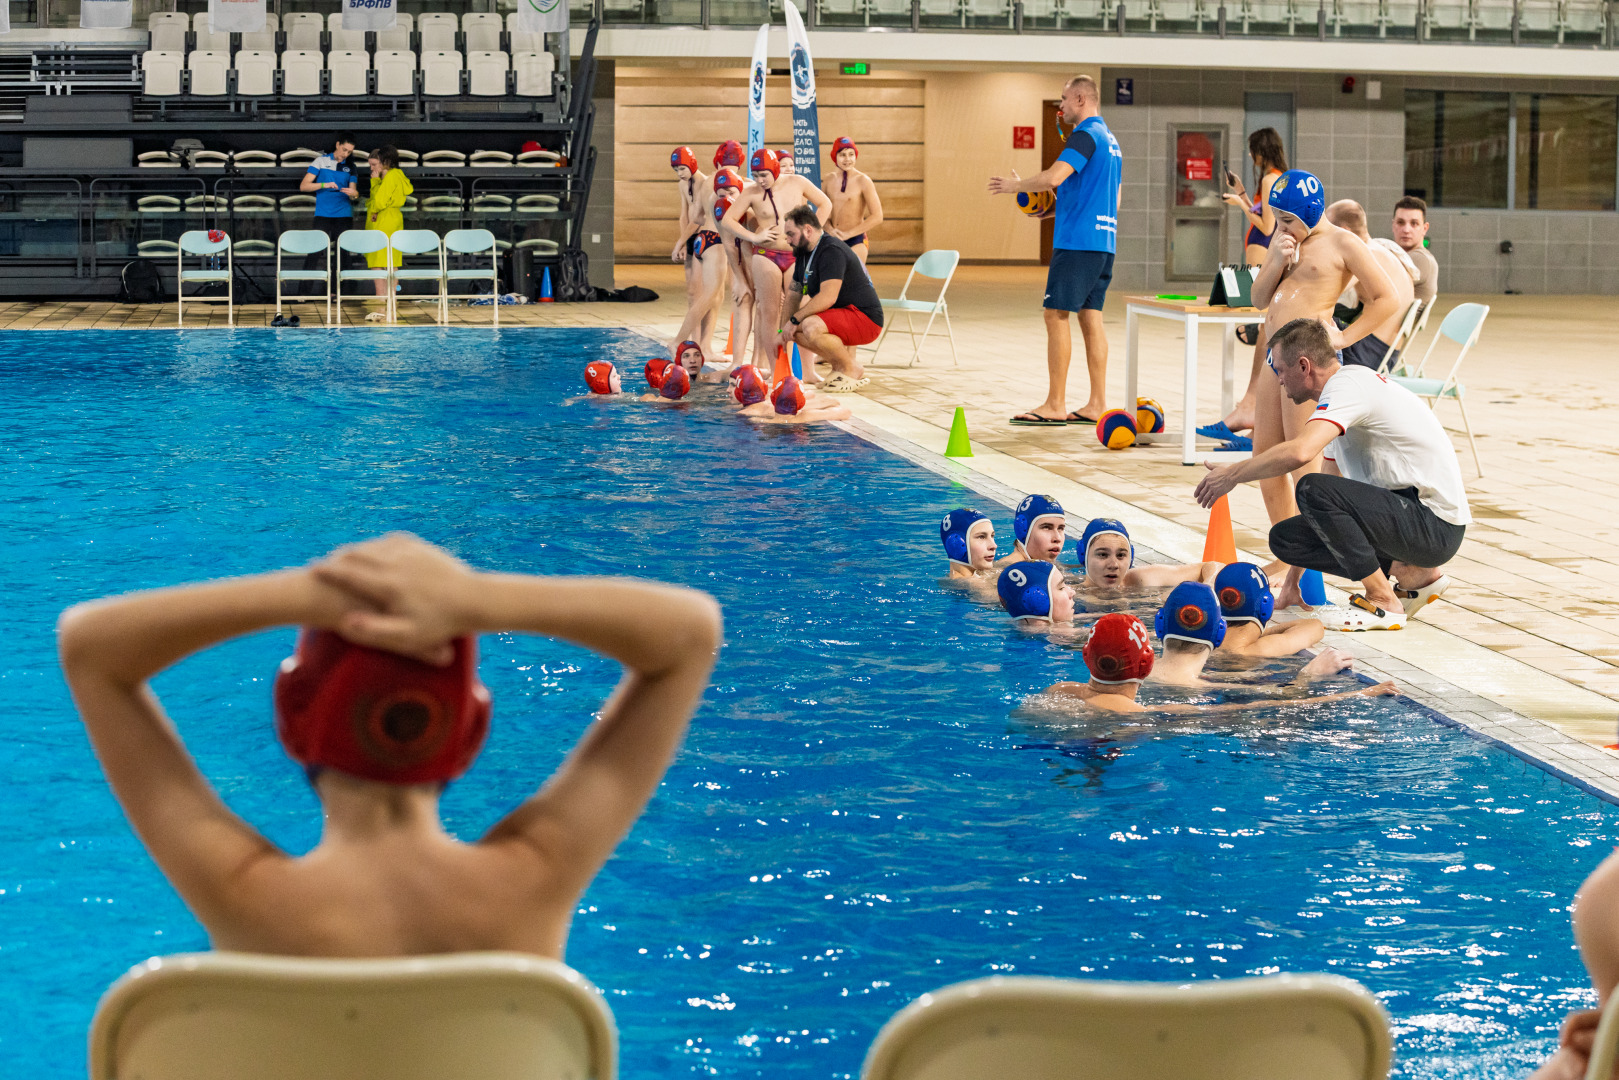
(346, 73)
(255, 76)
(1402, 337)
(419, 242)
(1280, 1027)
(208, 72)
(473, 242)
(441, 72)
(396, 72)
(496, 1016)
(304, 243)
(364, 242)
(1461, 325)
(534, 71)
(195, 242)
(487, 73)
(160, 72)
(938, 263)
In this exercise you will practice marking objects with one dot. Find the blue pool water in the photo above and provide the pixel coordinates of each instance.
(864, 809)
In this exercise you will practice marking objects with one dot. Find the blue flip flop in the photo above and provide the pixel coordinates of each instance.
(1239, 442)
(1217, 431)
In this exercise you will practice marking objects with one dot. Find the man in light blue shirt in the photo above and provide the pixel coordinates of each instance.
(1085, 178)
(331, 180)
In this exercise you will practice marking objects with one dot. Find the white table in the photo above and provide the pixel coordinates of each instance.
(1190, 314)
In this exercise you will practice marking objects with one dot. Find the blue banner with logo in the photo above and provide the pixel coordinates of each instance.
(806, 129)
(756, 91)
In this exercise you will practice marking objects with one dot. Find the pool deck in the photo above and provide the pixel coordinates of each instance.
(1525, 646)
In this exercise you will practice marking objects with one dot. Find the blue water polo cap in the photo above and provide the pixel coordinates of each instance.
(1105, 527)
(1244, 593)
(953, 533)
(1299, 193)
(1191, 613)
(1029, 513)
(1025, 589)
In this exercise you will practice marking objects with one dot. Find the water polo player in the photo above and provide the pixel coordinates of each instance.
(1110, 561)
(1247, 603)
(382, 706)
(1034, 595)
(1192, 626)
(1039, 528)
(968, 537)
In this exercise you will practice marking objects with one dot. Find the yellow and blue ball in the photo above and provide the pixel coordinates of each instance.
(1035, 203)
(1149, 416)
(1116, 429)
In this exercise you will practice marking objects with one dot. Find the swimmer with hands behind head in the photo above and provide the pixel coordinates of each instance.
(382, 706)
(1110, 561)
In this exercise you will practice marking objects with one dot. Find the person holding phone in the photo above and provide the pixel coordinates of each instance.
(1270, 162)
(330, 178)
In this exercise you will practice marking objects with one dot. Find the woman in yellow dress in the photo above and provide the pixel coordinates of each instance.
(390, 187)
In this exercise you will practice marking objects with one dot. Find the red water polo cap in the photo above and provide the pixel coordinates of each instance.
(654, 371)
(839, 145)
(676, 383)
(728, 179)
(1119, 650)
(728, 152)
(378, 715)
(682, 155)
(765, 160)
(788, 397)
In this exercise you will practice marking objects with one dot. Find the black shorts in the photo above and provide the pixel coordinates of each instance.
(1367, 352)
(1078, 280)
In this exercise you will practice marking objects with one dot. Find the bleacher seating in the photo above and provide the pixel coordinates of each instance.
(303, 30)
(346, 73)
(255, 72)
(209, 71)
(398, 39)
(160, 72)
(487, 73)
(396, 72)
(345, 40)
(534, 71)
(452, 158)
(209, 159)
(300, 72)
(523, 40)
(437, 32)
(264, 40)
(441, 72)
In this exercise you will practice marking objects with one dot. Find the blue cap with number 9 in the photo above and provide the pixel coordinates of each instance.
(1026, 587)
(1299, 193)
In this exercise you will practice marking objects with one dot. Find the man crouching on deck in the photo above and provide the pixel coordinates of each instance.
(383, 707)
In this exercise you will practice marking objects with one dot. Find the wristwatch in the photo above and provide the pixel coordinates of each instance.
(793, 319)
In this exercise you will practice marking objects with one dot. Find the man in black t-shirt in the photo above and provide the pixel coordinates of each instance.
(835, 306)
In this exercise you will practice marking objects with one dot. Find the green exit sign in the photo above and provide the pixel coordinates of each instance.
(860, 68)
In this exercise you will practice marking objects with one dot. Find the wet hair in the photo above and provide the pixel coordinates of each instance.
(1306, 338)
(344, 137)
(388, 155)
(1087, 88)
(803, 216)
(1411, 202)
(1265, 147)
(1348, 214)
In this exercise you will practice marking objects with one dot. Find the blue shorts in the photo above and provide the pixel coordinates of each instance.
(1078, 280)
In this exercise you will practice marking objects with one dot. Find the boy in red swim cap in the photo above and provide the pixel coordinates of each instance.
(382, 705)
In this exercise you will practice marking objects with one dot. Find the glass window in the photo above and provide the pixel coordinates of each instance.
(1456, 148)
(1567, 147)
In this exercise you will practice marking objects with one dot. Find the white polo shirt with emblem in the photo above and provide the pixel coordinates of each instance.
(1388, 438)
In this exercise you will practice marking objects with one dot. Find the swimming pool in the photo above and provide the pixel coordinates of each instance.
(863, 811)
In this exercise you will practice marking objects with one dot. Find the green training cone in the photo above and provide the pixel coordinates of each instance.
(958, 446)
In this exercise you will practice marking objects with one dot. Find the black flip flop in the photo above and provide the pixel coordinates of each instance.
(1032, 419)
(1076, 418)
(279, 320)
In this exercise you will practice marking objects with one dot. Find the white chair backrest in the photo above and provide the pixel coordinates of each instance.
(395, 40)
(496, 1016)
(534, 70)
(161, 72)
(304, 241)
(396, 72)
(255, 74)
(437, 37)
(348, 40)
(453, 158)
(207, 39)
(488, 73)
(441, 72)
(334, 21)
(348, 71)
(304, 36)
(415, 241)
(170, 37)
(469, 241)
(938, 263)
(165, 18)
(302, 18)
(1282, 1027)
(362, 241)
(483, 38)
(208, 72)
(261, 40)
(196, 242)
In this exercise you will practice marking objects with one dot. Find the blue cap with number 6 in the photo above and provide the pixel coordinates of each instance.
(1299, 193)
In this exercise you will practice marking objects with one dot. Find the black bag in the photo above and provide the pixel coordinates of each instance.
(573, 276)
(140, 283)
(633, 294)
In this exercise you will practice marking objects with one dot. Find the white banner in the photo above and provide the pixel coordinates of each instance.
(106, 14)
(5, 18)
(542, 16)
(756, 91)
(236, 16)
(806, 128)
(370, 14)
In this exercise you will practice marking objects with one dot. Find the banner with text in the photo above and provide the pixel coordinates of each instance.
(756, 91)
(542, 16)
(236, 16)
(806, 129)
(106, 14)
(370, 15)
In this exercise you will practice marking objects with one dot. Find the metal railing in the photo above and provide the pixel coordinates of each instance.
(1487, 22)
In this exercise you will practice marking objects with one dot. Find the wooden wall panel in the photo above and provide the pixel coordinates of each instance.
(657, 109)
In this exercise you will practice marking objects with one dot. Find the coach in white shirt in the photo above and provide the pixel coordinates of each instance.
(1389, 499)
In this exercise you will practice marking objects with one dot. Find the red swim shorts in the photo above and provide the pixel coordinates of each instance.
(850, 326)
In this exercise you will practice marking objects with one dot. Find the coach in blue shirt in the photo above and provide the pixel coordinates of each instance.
(330, 178)
(1085, 178)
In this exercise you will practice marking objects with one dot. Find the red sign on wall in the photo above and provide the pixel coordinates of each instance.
(1199, 168)
(1023, 138)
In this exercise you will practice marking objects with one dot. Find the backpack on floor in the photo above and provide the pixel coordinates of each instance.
(140, 283)
(573, 276)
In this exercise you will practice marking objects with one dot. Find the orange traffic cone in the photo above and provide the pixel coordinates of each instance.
(730, 335)
(784, 365)
(1221, 543)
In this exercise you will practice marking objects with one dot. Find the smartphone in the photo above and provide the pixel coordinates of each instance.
(1231, 180)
